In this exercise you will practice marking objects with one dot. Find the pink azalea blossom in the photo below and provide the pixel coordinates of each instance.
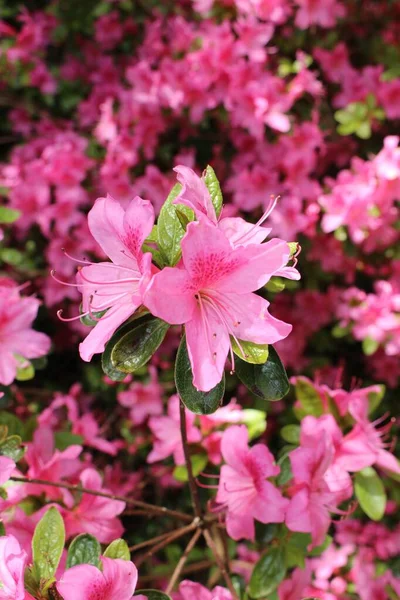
(118, 286)
(309, 507)
(143, 399)
(212, 294)
(116, 581)
(12, 567)
(18, 341)
(294, 587)
(188, 590)
(243, 486)
(167, 433)
(94, 514)
(7, 466)
(45, 462)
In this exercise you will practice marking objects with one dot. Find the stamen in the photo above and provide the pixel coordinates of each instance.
(69, 319)
(84, 261)
(263, 218)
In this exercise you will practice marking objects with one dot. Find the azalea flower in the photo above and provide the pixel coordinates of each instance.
(18, 341)
(167, 433)
(7, 466)
(243, 486)
(117, 581)
(94, 514)
(188, 590)
(118, 286)
(212, 294)
(12, 567)
(312, 500)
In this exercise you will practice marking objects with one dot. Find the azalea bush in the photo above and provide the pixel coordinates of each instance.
(199, 300)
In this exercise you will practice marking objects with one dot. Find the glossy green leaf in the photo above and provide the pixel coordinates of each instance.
(151, 245)
(200, 403)
(135, 348)
(84, 550)
(48, 544)
(199, 462)
(369, 346)
(370, 493)
(255, 421)
(64, 439)
(88, 320)
(255, 354)
(13, 424)
(118, 549)
(152, 594)
(268, 381)
(214, 188)
(169, 228)
(12, 448)
(268, 573)
(375, 398)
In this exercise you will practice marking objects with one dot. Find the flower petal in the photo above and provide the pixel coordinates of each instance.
(138, 223)
(194, 194)
(170, 296)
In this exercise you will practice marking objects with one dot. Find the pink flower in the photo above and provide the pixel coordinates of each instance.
(294, 587)
(188, 590)
(45, 462)
(211, 293)
(117, 581)
(143, 399)
(320, 13)
(7, 466)
(167, 434)
(243, 487)
(308, 511)
(115, 287)
(94, 514)
(18, 341)
(12, 567)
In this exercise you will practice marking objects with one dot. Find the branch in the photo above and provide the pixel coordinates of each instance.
(182, 561)
(192, 482)
(158, 510)
(175, 535)
(220, 563)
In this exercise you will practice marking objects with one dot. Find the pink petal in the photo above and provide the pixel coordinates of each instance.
(170, 296)
(122, 575)
(355, 452)
(208, 345)
(240, 526)
(82, 582)
(138, 223)
(194, 194)
(234, 445)
(102, 332)
(7, 466)
(30, 344)
(298, 516)
(241, 233)
(252, 321)
(387, 461)
(269, 506)
(8, 367)
(263, 461)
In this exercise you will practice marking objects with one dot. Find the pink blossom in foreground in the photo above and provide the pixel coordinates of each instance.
(212, 294)
(18, 341)
(7, 466)
(94, 514)
(188, 590)
(117, 581)
(12, 567)
(243, 486)
(116, 287)
(167, 434)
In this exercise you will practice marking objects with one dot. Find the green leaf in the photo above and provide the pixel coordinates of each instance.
(375, 398)
(255, 354)
(199, 462)
(8, 215)
(152, 594)
(363, 131)
(285, 474)
(13, 424)
(183, 218)
(268, 573)
(255, 421)
(64, 439)
(296, 550)
(151, 245)
(370, 493)
(88, 320)
(200, 403)
(2, 529)
(169, 229)
(310, 400)
(275, 285)
(291, 434)
(318, 550)
(268, 381)
(214, 188)
(108, 367)
(135, 348)
(369, 346)
(11, 447)
(48, 544)
(84, 550)
(25, 373)
(118, 549)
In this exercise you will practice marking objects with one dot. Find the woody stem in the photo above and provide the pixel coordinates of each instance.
(152, 508)
(211, 544)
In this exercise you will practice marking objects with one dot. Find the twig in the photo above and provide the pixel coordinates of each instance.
(192, 482)
(182, 561)
(175, 535)
(153, 540)
(220, 563)
(159, 510)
